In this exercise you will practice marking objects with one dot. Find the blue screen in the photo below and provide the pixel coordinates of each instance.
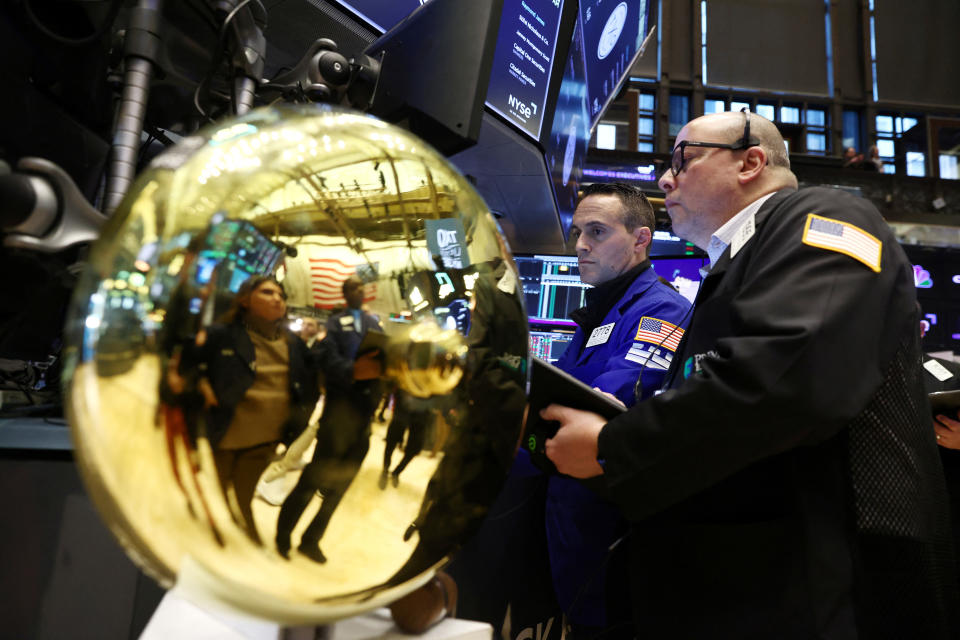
(682, 273)
(523, 61)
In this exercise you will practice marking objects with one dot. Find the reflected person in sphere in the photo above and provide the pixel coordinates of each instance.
(413, 416)
(343, 437)
(260, 388)
(310, 331)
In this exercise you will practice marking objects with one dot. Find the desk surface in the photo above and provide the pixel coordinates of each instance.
(51, 434)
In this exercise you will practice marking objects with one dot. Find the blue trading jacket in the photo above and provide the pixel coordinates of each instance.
(579, 525)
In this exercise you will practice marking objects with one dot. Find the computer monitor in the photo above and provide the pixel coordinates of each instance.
(548, 344)
(666, 245)
(236, 250)
(936, 275)
(522, 79)
(551, 289)
(382, 15)
(682, 273)
(435, 66)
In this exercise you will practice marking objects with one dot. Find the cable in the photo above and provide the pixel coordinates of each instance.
(73, 42)
(218, 55)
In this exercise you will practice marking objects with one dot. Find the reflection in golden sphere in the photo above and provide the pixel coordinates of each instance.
(198, 417)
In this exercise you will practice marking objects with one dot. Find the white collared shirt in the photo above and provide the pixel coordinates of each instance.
(722, 237)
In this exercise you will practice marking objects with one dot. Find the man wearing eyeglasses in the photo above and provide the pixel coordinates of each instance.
(786, 484)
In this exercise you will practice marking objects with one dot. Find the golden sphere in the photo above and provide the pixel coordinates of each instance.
(237, 462)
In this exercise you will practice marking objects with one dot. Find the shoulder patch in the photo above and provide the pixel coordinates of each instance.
(659, 332)
(842, 237)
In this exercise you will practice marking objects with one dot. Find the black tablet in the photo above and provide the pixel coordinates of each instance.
(549, 385)
(945, 402)
(372, 340)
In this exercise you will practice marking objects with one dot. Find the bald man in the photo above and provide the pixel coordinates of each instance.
(786, 482)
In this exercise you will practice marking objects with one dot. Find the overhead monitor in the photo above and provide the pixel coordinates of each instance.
(523, 62)
(665, 244)
(382, 15)
(434, 68)
(613, 33)
(566, 146)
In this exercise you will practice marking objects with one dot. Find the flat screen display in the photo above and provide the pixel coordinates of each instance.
(551, 289)
(666, 244)
(682, 273)
(613, 31)
(566, 147)
(548, 344)
(936, 275)
(523, 62)
(237, 250)
(381, 14)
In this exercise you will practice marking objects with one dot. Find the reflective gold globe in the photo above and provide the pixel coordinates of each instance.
(296, 477)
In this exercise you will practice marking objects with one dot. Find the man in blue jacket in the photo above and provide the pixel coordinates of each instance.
(625, 340)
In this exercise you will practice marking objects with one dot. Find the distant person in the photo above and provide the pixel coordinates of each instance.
(851, 157)
(310, 331)
(873, 158)
(411, 416)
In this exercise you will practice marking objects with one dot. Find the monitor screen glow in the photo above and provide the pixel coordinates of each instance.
(523, 62)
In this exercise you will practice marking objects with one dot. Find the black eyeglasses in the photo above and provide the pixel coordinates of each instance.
(678, 160)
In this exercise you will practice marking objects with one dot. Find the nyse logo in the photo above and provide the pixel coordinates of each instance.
(542, 632)
(446, 237)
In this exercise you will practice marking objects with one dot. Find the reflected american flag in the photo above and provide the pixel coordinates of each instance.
(327, 276)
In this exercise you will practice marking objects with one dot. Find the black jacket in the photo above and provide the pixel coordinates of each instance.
(787, 485)
(227, 360)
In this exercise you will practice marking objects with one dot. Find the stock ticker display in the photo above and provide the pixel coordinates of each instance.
(523, 62)
(551, 289)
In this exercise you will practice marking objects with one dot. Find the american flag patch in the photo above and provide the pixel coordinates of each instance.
(844, 238)
(659, 332)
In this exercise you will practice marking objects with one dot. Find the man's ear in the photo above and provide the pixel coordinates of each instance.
(643, 237)
(754, 162)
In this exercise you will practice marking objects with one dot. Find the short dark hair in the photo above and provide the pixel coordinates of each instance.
(637, 210)
(351, 281)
